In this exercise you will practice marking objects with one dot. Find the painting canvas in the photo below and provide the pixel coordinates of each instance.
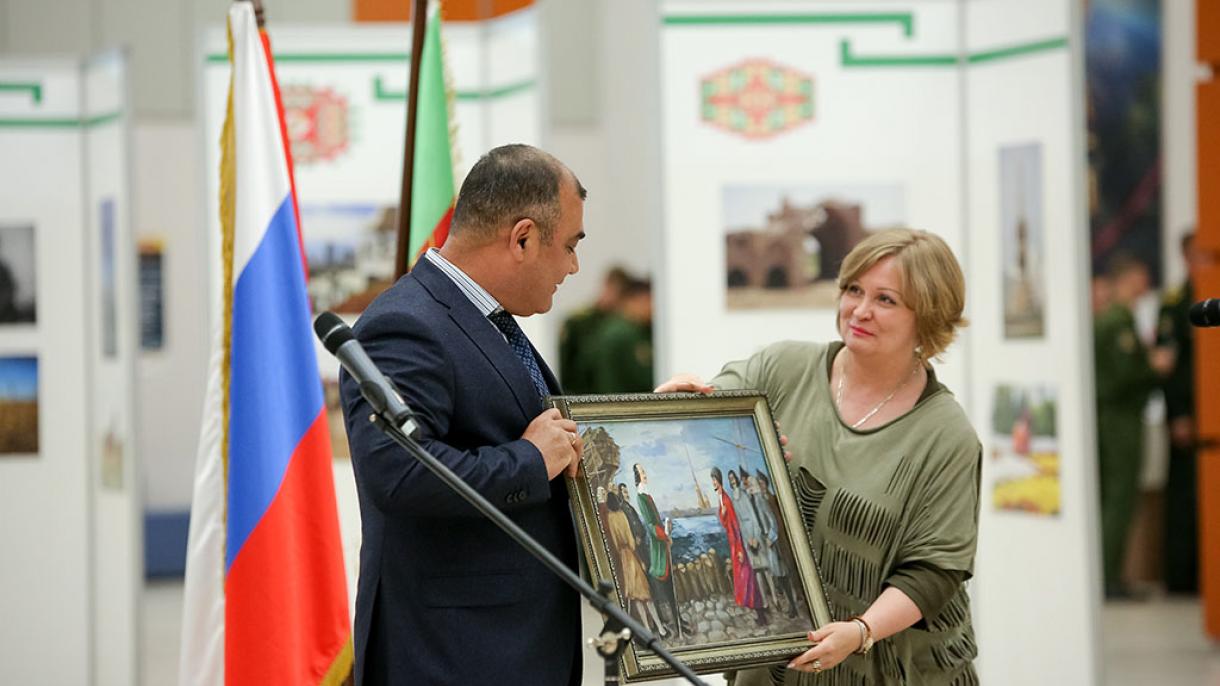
(1024, 463)
(686, 508)
(784, 243)
(18, 406)
(1022, 240)
(17, 282)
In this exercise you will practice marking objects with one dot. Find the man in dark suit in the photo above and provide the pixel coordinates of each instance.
(445, 597)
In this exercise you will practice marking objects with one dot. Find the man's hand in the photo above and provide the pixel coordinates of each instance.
(557, 440)
(1162, 359)
(1182, 432)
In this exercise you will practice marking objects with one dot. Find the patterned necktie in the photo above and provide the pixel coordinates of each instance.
(520, 345)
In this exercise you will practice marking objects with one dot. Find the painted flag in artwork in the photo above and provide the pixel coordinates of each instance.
(266, 593)
(432, 187)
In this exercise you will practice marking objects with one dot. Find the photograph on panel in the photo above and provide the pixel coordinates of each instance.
(18, 406)
(784, 243)
(110, 335)
(1024, 459)
(17, 282)
(1022, 241)
(350, 249)
(150, 268)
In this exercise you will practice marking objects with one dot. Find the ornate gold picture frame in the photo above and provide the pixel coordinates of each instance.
(684, 504)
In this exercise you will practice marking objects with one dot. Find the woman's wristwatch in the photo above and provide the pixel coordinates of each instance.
(866, 635)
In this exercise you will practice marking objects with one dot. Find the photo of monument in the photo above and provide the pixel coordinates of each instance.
(784, 244)
(1022, 240)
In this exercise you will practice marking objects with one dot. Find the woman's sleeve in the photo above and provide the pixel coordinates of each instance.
(943, 531)
(741, 374)
(928, 586)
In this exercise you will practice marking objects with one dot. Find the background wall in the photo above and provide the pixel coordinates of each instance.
(71, 505)
(601, 122)
(605, 121)
(53, 631)
(1019, 548)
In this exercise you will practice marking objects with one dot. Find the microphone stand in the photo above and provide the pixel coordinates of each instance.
(619, 627)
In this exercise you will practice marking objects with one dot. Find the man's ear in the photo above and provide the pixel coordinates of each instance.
(520, 237)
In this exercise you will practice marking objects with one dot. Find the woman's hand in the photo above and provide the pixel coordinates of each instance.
(831, 645)
(783, 442)
(684, 383)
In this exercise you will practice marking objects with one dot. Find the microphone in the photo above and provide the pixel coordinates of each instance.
(1205, 313)
(337, 337)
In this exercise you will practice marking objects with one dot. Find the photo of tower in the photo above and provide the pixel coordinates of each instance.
(1021, 221)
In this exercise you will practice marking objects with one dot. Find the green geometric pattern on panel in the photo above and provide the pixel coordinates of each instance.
(847, 57)
(903, 19)
(383, 94)
(402, 57)
(59, 122)
(850, 59)
(35, 89)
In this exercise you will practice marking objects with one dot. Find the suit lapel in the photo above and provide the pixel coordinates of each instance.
(485, 336)
(551, 382)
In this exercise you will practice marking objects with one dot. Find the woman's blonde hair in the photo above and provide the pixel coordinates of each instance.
(932, 282)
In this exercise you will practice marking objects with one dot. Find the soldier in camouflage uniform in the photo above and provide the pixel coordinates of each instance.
(576, 361)
(1125, 375)
(1181, 501)
(621, 348)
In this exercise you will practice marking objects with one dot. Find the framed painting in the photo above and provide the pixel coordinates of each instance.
(683, 503)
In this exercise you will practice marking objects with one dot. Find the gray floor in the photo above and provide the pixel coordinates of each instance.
(1160, 641)
(1154, 642)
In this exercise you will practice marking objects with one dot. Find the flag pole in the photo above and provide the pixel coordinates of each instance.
(401, 258)
(258, 13)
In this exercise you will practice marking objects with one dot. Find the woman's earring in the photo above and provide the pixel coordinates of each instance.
(919, 351)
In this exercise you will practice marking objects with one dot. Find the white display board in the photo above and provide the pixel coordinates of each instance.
(883, 141)
(69, 505)
(118, 561)
(789, 128)
(1038, 574)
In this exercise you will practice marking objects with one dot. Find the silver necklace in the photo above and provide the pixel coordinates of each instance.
(878, 406)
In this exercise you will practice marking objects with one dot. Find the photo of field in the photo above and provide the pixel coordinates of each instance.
(18, 406)
(1024, 463)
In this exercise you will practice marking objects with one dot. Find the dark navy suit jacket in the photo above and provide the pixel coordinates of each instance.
(444, 596)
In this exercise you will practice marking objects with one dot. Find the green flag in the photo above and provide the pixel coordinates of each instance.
(432, 192)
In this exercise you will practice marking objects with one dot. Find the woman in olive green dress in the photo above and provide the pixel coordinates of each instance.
(885, 466)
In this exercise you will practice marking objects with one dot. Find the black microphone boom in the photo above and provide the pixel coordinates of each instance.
(388, 408)
(1205, 313)
(337, 337)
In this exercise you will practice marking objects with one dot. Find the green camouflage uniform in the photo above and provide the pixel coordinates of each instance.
(1181, 501)
(621, 357)
(576, 360)
(1124, 379)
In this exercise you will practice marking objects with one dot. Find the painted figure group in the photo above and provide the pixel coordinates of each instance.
(756, 574)
(749, 513)
(643, 547)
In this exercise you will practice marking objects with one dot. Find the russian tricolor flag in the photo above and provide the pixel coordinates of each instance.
(266, 595)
